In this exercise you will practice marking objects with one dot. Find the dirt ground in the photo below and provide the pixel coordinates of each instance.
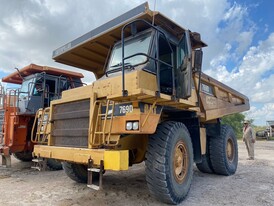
(253, 184)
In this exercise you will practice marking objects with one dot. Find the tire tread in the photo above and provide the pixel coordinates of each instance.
(156, 164)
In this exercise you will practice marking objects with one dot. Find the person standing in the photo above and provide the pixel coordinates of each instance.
(249, 139)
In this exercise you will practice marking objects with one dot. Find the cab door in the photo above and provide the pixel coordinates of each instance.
(183, 72)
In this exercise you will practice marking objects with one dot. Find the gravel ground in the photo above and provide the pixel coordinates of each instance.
(253, 184)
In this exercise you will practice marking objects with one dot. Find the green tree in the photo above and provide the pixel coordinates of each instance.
(236, 122)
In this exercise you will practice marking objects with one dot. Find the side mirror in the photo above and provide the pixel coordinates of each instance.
(198, 59)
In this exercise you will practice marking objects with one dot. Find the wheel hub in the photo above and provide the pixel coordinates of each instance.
(180, 162)
(230, 150)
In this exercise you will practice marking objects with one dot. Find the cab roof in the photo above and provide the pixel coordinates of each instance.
(33, 69)
(90, 51)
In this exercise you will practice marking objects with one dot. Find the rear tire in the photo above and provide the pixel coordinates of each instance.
(54, 164)
(224, 152)
(23, 156)
(78, 172)
(205, 166)
(169, 163)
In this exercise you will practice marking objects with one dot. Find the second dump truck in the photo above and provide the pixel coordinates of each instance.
(151, 102)
(38, 86)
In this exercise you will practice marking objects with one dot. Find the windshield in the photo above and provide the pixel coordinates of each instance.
(27, 85)
(132, 46)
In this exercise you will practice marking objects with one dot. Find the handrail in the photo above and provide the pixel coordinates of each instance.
(38, 123)
(12, 97)
(2, 96)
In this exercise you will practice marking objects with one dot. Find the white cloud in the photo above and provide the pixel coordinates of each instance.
(55, 7)
(254, 77)
(261, 115)
(31, 30)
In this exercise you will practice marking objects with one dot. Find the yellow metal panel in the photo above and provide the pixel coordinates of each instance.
(113, 159)
(137, 142)
(77, 155)
(116, 160)
(75, 94)
(45, 153)
(203, 140)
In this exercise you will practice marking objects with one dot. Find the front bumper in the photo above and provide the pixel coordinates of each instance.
(113, 159)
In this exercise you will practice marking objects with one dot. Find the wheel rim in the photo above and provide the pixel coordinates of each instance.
(230, 150)
(180, 162)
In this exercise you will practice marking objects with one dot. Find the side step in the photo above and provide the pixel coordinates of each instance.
(39, 164)
(91, 170)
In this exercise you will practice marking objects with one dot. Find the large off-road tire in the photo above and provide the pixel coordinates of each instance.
(169, 162)
(54, 164)
(23, 156)
(78, 172)
(205, 166)
(224, 152)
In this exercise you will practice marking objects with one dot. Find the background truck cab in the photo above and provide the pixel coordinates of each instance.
(38, 86)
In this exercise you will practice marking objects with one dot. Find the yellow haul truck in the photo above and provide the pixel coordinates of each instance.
(151, 103)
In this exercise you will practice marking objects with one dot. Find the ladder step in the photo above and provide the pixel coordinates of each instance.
(94, 170)
(101, 132)
(101, 115)
(95, 187)
(91, 169)
(37, 160)
(35, 167)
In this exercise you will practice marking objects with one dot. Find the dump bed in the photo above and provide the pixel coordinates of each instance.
(218, 100)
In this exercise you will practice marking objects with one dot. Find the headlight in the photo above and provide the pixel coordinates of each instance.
(132, 125)
(129, 126)
(135, 125)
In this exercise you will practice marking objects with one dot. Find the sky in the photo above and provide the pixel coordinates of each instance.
(239, 34)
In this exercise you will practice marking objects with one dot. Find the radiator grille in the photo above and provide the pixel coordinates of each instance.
(70, 124)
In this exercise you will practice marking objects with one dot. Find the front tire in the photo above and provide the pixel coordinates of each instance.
(169, 163)
(78, 172)
(54, 164)
(23, 156)
(224, 152)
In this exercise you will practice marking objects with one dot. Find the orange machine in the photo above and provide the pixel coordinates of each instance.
(38, 86)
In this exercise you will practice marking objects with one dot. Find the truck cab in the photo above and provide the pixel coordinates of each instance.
(140, 52)
(38, 90)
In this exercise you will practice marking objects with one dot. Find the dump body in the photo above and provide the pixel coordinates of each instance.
(38, 86)
(149, 81)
